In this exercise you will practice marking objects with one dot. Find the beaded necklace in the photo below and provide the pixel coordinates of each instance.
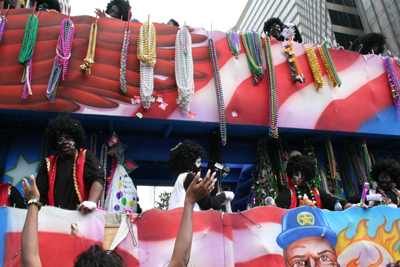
(328, 64)
(146, 53)
(3, 21)
(273, 90)
(219, 92)
(74, 176)
(26, 53)
(318, 180)
(334, 174)
(89, 60)
(113, 167)
(252, 45)
(314, 66)
(300, 197)
(354, 162)
(124, 53)
(386, 199)
(103, 162)
(63, 53)
(362, 145)
(295, 70)
(349, 186)
(281, 160)
(184, 69)
(234, 43)
(264, 179)
(394, 83)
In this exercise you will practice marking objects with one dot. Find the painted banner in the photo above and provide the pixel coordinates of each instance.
(363, 103)
(264, 236)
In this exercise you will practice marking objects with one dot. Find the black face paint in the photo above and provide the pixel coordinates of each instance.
(384, 180)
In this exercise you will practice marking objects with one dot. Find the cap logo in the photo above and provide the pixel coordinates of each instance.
(305, 218)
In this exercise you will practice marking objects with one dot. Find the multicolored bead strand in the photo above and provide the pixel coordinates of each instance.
(184, 70)
(252, 45)
(3, 21)
(219, 92)
(318, 181)
(273, 90)
(234, 43)
(282, 163)
(300, 197)
(362, 146)
(350, 188)
(334, 174)
(63, 53)
(124, 54)
(314, 66)
(394, 83)
(386, 199)
(328, 64)
(103, 162)
(26, 53)
(356, 163)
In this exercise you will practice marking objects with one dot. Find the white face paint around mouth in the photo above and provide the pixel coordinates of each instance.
(198, 163)
(298, 179)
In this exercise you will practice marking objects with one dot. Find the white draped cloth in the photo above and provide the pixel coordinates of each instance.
(178, 194)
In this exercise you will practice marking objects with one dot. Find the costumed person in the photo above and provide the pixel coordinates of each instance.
(72, 177)
(301, 170)
(185, 159)
(307, 239)
(95, 256)
(9, 195)
(372, 43)
(122, 194)
(48, 5)
(118, 9)
(172, 22)
(275, 28)
(384, 172)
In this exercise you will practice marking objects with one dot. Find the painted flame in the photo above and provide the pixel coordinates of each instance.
(387, 240)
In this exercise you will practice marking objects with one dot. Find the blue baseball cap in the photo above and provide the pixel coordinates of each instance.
(304, 222)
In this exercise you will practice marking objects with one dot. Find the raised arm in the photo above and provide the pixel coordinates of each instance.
(29, 238)
(183, 242)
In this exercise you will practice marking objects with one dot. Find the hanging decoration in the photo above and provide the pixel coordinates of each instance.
(184, 69)
(26, 53)
(314, 66)
(89, 60)
(234, 43)
(318, 181)
(273, 90)
(124, 54)
(252, 44)
(264, 179)
(282, 160)
(63, 53)
(362, 146)
(350, 188)
(295, 70)
(3, 21)
(393, 82)
(328, 64)
(103, 162)
(356, 163)
(146, 53)
(219, 92)
(331, 167)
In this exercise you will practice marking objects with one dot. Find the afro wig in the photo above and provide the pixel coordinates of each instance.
(372, 39)
(64, 124)
(53, 4)
(270, 22)
(123, 6)
(184, 155)
(389, 166)
(301, 163)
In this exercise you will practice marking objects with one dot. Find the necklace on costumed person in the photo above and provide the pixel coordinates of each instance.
(219, 92)
(273, 90)
(234, 43)
(300, 197)
(124, 55)
(146, 53)
(328, 64)
(89, 60)
(103, 162)
(74, 176)
(318, 180)
(184, 69)
(3, 21)
(26, 53)
(63, 53)
(252, 46)
(387, 199)
(393, 82)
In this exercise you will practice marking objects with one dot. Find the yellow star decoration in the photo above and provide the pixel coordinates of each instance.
(22, 169)
(305, 218)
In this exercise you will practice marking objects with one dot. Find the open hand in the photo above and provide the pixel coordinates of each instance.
(100, 13)
(197, 191)
(30, 192)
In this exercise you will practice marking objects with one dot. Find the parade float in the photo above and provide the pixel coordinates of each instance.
(330, 103)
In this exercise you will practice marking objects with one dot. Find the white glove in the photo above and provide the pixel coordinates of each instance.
(288, 32)
(374, 197)
(269, 201)
(228, 207)
(89, 204)
(229, 195)
(364, 206)
(392, 205)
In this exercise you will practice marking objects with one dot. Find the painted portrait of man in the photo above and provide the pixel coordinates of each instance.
(307, 239)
